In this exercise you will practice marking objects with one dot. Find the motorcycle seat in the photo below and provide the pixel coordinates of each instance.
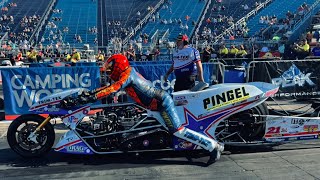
(199, 87)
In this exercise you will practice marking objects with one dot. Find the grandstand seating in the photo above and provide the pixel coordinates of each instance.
(78, 16)
(232, 8)
(278, 8)
(179, 10)
(25, 8)
(123, 11)
(4, 3)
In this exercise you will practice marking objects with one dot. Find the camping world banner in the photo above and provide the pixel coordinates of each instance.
(24, 86)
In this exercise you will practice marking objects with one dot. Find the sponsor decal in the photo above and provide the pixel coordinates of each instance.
(181, 102)
(310, 128)
(273, 130)
(197, 138)
(308, 137)
(85, 111)
(297, 94)
(48, 109)
(73, 119)
(179, 98)
(165, 85)
(293, 131)
(180, 57)
(292, 139)
(191, 96)
(276, 135)
(70, 139)
(284, 130)
(185, 145)
(78, 149)
(225, 98)
(298, 121)
(294, 126)
(50, 100)
(292, 77)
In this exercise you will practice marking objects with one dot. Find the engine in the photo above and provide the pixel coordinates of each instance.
(104, 125)
(113, 119)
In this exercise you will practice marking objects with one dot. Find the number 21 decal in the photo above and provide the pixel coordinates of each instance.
(273, 130)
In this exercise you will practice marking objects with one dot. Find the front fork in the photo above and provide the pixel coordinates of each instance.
(33, 135)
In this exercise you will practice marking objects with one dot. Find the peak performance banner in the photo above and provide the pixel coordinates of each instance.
(24, 86)
(296, 79)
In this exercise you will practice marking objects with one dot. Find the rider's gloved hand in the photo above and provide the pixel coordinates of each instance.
(88, 93)
(68, 102)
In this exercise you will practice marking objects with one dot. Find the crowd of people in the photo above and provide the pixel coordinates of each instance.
(221, 17)
(17, 32)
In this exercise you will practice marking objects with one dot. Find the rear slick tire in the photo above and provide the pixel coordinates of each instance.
(17, 138)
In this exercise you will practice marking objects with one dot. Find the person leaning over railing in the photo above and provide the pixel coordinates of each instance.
(223, 51)
(302, 49)
(100, 56)
(242, 52)
(32, 55)
(233, 51)
(75, 57)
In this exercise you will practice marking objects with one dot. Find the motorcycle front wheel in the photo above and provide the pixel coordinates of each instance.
(19, 131)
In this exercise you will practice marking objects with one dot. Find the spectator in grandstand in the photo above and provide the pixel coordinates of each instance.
(223, 51)
(19, 56)
(186, 65)
(309, 37)
(264, 49)
(206, 54)
(75, 57)
(301, 10)
(233, 51)
(281, 50)
(316, 50)
(130, 53)
(316, 35)
(156, 53)
(242, 52)
(100, 56)
(245, 7)
(32, 55)
(302, 49)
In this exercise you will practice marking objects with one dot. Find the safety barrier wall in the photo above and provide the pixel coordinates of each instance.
(23, 86)
(297, 79)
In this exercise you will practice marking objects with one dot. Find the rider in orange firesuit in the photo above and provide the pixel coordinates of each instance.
(143, 92)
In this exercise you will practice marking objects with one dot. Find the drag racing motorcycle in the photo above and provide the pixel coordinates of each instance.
(235, 114)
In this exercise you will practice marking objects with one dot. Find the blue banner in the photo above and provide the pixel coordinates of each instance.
(23, 86)
(155, 73)
(46, 64)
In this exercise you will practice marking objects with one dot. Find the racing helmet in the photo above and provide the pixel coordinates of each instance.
(184, 38)
(115, 65)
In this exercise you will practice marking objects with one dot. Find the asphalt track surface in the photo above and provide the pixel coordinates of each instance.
(291, 161)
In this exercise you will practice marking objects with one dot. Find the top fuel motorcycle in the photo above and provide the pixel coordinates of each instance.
(234, 114)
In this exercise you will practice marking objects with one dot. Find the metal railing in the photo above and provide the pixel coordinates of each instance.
(3, 2)
(200, 20)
